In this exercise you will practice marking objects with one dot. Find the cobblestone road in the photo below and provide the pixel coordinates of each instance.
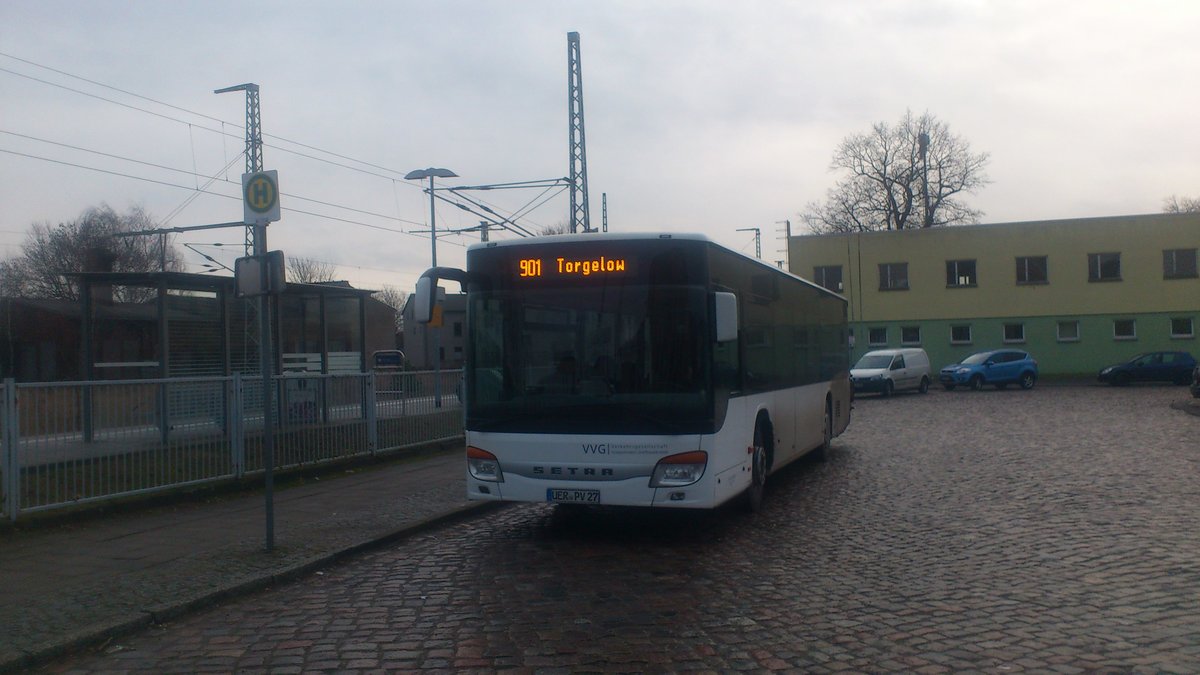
(994, 531)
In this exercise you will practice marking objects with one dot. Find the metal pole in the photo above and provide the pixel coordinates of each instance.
(264, 330)
(432, 225)
(757, 240)
(10, 463)
(256, 243)
(437, 331)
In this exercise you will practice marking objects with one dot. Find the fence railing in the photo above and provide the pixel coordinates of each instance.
(69, 443)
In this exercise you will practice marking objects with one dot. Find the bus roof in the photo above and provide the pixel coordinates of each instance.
(609, 236)
(634, 236)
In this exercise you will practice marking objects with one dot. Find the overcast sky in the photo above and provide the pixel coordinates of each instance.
(701, 116)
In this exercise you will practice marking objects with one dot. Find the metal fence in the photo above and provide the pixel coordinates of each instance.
(69, 443)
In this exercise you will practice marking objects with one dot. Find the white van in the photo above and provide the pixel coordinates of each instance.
(888, 370)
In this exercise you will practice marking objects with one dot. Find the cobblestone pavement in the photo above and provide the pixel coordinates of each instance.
(1052, 530)
(70, 583)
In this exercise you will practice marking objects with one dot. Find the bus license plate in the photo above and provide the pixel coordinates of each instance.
(561, 496)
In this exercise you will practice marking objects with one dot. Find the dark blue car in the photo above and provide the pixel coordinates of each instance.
(1173, 367)
(999, 367)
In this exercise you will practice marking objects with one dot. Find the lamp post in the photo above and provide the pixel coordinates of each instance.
(432, 173)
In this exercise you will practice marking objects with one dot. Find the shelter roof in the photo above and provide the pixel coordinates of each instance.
(199, 282)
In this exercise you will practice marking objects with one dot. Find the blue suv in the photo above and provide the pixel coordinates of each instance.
(1000, 367)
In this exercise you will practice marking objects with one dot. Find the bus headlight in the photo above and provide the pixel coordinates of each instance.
(679, 470)
(483, 465)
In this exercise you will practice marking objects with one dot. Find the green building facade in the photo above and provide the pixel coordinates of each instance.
(1076, 294)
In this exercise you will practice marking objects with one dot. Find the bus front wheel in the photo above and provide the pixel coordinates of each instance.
(758, 471)
(821, 453)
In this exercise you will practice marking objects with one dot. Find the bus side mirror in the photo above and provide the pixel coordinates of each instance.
(726, 316)
(425, 297)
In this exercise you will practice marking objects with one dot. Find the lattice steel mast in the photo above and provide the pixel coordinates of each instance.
(578, 176)
(256, 235)
(254, 152)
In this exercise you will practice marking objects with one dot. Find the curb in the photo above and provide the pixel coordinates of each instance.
(106, 632)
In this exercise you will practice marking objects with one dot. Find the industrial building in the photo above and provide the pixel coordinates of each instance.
(1077, 294)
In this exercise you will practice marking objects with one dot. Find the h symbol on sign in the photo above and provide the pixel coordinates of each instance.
(262, 192)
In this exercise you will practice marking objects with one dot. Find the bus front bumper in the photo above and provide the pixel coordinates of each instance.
(630, 492)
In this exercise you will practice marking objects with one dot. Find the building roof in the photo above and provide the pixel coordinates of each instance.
(200, 282)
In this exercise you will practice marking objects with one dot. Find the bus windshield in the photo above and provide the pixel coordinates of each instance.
(624, 358)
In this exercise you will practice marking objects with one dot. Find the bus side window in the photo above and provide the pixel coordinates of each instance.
(725, 363)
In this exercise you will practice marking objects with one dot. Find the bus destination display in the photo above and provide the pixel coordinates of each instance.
(558, 267)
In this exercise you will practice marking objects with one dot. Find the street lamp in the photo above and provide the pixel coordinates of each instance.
(431, 173)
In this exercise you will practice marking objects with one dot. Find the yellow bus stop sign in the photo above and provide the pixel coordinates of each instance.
(260, 197)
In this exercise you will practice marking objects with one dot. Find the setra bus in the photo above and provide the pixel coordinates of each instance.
(641, 370)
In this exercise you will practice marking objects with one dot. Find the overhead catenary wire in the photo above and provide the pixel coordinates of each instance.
(182, 171)
(225, 196)
(221, 132)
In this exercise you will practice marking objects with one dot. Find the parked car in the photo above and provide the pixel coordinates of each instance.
(999, 367)
(890, 370)
(1173, 367)
(1196, 381)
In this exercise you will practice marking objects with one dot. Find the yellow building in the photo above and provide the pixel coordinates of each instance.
(1077, 294)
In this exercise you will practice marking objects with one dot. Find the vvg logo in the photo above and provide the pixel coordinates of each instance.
(595, 448)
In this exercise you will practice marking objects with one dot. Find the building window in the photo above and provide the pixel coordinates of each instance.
(1181, 327)
(960, 335)
(1068, 331)
(1124, 329)
(1014, 332)
(829, 277)
(877, 337)
(1032, 270)
(910, 335)
(960, 273)
(893, 276)
(1179, 263)
(1104, 267)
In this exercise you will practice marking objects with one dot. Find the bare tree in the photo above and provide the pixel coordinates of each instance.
(393, 297)
(909, 175)
(86, 244)
(1175, 204)
(560, 227)
(309, 271)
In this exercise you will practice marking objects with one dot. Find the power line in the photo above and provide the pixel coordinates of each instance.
(192, 173)
(190, 112)
(101, 153)
(106, 86)
(175, 119)
(221, 132)
(232, 197)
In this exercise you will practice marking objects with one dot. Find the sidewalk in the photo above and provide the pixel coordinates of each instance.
(76, 585)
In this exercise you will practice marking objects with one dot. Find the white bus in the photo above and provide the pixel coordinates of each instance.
(641, 370)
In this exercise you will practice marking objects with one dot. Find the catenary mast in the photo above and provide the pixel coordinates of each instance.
(578, 147)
